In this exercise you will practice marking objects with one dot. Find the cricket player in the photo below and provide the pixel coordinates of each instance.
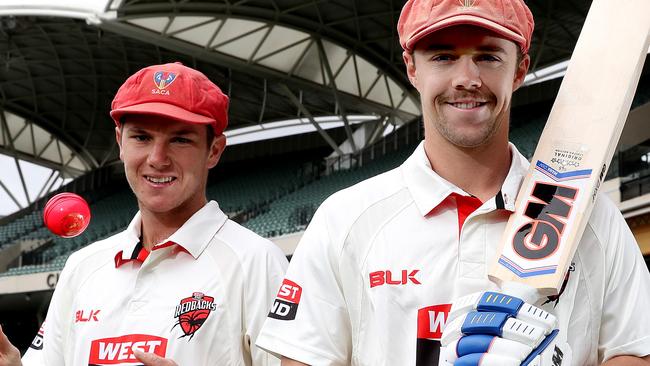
(182, 284)
(376, 273)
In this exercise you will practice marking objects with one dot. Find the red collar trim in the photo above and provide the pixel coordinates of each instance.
(466, 205)
(142, 253)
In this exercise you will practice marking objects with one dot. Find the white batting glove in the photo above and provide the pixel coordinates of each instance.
(490, 328)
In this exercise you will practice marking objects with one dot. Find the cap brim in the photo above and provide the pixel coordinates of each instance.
(466, 19)
(164, 110)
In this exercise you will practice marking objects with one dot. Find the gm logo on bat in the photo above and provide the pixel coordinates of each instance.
(541, 237)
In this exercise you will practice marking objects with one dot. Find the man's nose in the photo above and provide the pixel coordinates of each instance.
(159, 155)
(467, 74)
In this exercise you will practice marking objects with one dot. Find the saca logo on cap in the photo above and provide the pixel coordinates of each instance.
(467, 3)
(162, 80)
(119, 350)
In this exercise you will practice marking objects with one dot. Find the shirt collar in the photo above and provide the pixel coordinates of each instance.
(194, 236)
(429, 189)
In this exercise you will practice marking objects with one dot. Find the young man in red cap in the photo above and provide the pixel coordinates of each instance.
(376, 272)
(182, 284)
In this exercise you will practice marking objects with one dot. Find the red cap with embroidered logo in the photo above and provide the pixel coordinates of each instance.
(509, 18)
(174, 91)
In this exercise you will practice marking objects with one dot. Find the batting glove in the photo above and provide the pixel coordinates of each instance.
(490, 328)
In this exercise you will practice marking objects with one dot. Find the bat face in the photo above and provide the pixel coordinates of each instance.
(548, 212)
(574, 151)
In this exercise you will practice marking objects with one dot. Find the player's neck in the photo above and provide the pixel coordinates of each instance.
(478, 171)
(158, 226)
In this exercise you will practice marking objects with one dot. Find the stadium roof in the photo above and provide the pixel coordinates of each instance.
(61, 62)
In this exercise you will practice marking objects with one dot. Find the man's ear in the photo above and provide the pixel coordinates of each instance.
(520, 73)
(118, 138)
(216, 149)
(409, 61)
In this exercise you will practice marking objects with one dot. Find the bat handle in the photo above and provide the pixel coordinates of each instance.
(525, 292)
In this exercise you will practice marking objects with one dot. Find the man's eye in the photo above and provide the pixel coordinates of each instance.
(442, 58)
(182, 140)
(488, 58)
(140, 137)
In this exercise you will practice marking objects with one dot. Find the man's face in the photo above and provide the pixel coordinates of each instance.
(167, 162)
(466, 76)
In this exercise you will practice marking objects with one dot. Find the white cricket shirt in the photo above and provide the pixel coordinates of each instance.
(198, 298)
(373, 277)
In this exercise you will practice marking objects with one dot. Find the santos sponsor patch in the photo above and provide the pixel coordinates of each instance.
(119, 350)
(286, 303)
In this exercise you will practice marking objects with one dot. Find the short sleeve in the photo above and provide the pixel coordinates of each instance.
(309, 321)
(58, 322)
(266, 274)
(625, 327)
(34, 354)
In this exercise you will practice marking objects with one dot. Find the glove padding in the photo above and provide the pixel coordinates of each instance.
(489, 328)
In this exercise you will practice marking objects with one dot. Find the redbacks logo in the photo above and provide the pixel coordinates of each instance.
(162, 81)
(37, 343)
(192, 312)
(285, 305)
(431, 323)
(119, 350)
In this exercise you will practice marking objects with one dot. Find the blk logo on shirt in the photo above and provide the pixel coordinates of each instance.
(286, 303)
(387, 277)
(119, 350)
(82, 316)
(192, 312)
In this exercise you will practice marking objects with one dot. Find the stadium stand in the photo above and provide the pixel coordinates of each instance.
(278, 197)
(293, 212)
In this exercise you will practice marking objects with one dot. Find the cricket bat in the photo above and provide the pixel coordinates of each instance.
(574, 151)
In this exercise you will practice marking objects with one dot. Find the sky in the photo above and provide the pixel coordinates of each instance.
(35, 175)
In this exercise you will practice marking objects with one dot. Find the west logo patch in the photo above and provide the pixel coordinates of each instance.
(431, 323)
(119, 350)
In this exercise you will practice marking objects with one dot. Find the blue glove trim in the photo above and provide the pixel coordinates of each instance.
(476, 343)
(498, 302)
(484, 323)
(542, 346)
(470, 360)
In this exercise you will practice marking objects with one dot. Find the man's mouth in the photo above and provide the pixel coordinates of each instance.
(159, 180)
(466, 105)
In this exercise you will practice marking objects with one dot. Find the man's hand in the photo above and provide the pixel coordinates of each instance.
(495, 329)
(9, 355)
(150, 359)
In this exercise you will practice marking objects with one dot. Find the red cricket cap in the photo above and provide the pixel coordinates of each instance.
(509, 18)
(174, 91)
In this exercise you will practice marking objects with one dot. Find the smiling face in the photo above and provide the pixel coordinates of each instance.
(466, 76)
(166, 163)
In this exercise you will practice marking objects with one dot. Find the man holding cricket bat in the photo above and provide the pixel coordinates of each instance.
(377, 271)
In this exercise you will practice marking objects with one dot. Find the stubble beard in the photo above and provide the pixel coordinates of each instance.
(478, 136)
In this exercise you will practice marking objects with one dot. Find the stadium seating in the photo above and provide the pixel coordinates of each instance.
(277, 198)
(293, 212)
